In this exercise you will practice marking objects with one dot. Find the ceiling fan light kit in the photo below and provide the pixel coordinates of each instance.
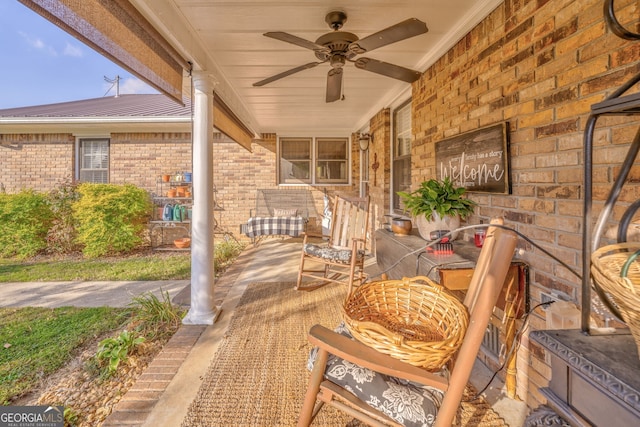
(340, 47)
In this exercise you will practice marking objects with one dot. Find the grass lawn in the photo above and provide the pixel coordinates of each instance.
(152, 266)
(37, 341)
(147, 265)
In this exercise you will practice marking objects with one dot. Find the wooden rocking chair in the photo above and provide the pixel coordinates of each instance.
(343, 256)
(487, 280)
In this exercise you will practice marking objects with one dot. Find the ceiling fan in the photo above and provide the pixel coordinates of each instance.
(338, 47)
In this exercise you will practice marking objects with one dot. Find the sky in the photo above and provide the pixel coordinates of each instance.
(41, 64)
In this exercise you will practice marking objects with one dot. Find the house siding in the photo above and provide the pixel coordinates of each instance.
(37, 161)
(140, 158)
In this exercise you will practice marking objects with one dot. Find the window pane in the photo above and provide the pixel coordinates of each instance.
(403, 131)
(94, 160)
(99, 177)
(403, 146)
(401, 153)
(332, 160)
(327, 171)
(294, 171)
(295, 160)
(332, 149)
(401, 179)
(295, 149)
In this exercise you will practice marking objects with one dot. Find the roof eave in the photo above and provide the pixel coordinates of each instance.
(106, 125)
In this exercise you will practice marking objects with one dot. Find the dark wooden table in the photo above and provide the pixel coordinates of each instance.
(407, 256)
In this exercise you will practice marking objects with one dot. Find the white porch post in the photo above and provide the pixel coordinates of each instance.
(202, 310)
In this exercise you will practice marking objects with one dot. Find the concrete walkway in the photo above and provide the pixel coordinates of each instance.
(83, 294)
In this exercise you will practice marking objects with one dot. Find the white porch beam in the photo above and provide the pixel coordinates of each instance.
(202, 310)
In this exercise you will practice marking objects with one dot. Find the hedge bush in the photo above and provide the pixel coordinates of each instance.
(25, 218)
(62, 235)
(111, 218)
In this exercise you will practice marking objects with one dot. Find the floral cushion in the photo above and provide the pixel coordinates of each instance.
(410, 404)
(545, 416)
(330, 254)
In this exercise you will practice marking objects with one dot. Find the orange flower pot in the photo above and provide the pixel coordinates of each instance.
(180, 191)
(182, 243)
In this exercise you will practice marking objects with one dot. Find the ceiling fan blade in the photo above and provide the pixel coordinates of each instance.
(403, 30)
(386, 69)
(334, 84)
(287, 73)
(290, 38)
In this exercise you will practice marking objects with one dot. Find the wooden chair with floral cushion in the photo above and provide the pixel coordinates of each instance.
(341, 258)
(381, 390)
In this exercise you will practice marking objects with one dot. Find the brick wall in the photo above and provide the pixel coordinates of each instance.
(539, 65)
(238, 174)
(35, 161)
(140, 158)
(379, 179)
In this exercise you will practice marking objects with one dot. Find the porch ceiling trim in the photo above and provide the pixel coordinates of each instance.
(119, 31)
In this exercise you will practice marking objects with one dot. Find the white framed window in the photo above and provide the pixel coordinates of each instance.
(313, 161)
(401, 153)
(332, 157)
(295, 160)
(92, 163)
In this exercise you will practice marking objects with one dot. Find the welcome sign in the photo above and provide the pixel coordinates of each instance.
(477, 160)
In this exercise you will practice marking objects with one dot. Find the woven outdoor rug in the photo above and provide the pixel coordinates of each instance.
(258, 376)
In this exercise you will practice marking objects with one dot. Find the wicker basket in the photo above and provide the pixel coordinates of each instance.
(413, 320)
(607, 264)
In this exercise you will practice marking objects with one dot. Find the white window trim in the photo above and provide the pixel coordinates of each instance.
(314, 160)
(77, 162)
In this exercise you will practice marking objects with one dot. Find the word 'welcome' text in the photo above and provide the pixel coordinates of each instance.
(462, 173)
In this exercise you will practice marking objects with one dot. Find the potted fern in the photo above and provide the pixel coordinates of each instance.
(437, 205)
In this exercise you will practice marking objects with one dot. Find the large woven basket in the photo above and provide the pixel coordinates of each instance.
(607, 264)
(413, 320)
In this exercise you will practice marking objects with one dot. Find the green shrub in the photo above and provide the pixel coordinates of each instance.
(61, 237)
(156, 316)
(111, 218)
(25, 218)
(226, 250)
(113, 351)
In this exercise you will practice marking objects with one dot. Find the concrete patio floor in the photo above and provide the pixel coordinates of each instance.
(258, 265)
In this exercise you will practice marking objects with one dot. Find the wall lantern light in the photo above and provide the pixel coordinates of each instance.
(364, 139)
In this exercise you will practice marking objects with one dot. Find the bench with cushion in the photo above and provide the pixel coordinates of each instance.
(280, 212)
